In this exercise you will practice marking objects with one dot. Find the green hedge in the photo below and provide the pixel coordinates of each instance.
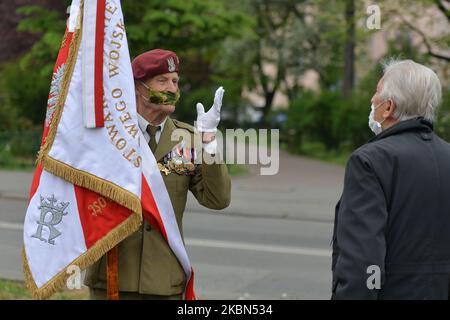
(328, 122)
(19, 149)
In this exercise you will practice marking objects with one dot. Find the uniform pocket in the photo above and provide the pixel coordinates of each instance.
(183, 184)
(177, 183)
(161, 272)
(177, 277)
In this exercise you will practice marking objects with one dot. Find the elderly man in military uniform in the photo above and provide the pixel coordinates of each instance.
(148, 269)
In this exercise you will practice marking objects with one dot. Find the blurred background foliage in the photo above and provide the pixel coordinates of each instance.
(254, 48)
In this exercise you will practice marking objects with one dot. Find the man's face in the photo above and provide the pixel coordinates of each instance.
(376, 97)
(164, 82)
(167, 82)
(377, 102)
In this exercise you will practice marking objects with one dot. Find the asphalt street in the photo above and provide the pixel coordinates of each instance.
(273, 242)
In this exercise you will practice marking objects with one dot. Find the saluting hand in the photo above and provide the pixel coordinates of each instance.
(208, 122)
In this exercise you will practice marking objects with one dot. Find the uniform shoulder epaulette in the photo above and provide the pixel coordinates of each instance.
(183, 125)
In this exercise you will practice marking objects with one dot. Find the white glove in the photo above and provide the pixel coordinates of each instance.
(208, 122)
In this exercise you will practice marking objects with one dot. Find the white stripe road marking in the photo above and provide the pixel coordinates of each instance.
(257, 247)
(11, 226)
(206, 243)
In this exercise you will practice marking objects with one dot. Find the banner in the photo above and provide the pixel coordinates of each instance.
(94, 180)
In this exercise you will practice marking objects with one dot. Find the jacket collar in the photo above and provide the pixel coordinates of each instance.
(166, 144)
(417, 124)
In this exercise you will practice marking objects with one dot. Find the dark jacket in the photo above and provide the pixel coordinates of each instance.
(394, 213)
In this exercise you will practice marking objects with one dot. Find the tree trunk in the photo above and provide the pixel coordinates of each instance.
(349, 50)
(269, 96)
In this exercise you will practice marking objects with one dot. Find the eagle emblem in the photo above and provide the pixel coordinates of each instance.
(171, 64)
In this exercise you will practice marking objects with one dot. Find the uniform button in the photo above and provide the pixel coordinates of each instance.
(148, 227)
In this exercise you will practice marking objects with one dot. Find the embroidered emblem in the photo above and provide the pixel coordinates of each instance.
(171, 64)
(57, 213)
(55, 88)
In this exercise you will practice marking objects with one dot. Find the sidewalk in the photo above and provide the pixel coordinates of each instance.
(303, 189)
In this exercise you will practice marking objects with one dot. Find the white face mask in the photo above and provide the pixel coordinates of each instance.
(375, 126)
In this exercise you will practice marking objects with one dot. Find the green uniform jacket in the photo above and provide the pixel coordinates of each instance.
(146, 263)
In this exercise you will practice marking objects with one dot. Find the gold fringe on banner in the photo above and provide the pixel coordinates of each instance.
(94, 183)
(98, 250)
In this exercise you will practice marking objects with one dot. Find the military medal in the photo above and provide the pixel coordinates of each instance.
(162, 168)
(189, 167)
(180, 160)
(177, 165)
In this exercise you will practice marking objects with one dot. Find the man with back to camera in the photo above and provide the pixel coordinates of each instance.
(148, 269)
(392, 224)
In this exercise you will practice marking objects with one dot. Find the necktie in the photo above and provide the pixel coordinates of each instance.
(151, 130)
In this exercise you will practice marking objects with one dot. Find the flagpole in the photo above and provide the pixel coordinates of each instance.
(112, 274)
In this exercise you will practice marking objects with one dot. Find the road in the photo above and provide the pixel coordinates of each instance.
(273, 242)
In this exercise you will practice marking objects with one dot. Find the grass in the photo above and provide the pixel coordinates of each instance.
(9, 161)
(237, 170)
(317, 150)
(18, 150)
(18, 164)
(16, 290)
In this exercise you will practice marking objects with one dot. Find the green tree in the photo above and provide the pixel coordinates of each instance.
(195, 29)
(25, 81)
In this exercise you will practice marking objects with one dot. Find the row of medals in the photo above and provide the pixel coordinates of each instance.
(179, 162)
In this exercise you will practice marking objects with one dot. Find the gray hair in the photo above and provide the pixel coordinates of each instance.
(414, 88)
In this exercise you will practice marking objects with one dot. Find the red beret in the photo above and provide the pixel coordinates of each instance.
(154, 62)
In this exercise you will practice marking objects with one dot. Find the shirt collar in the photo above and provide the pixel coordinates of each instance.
(143, 124)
